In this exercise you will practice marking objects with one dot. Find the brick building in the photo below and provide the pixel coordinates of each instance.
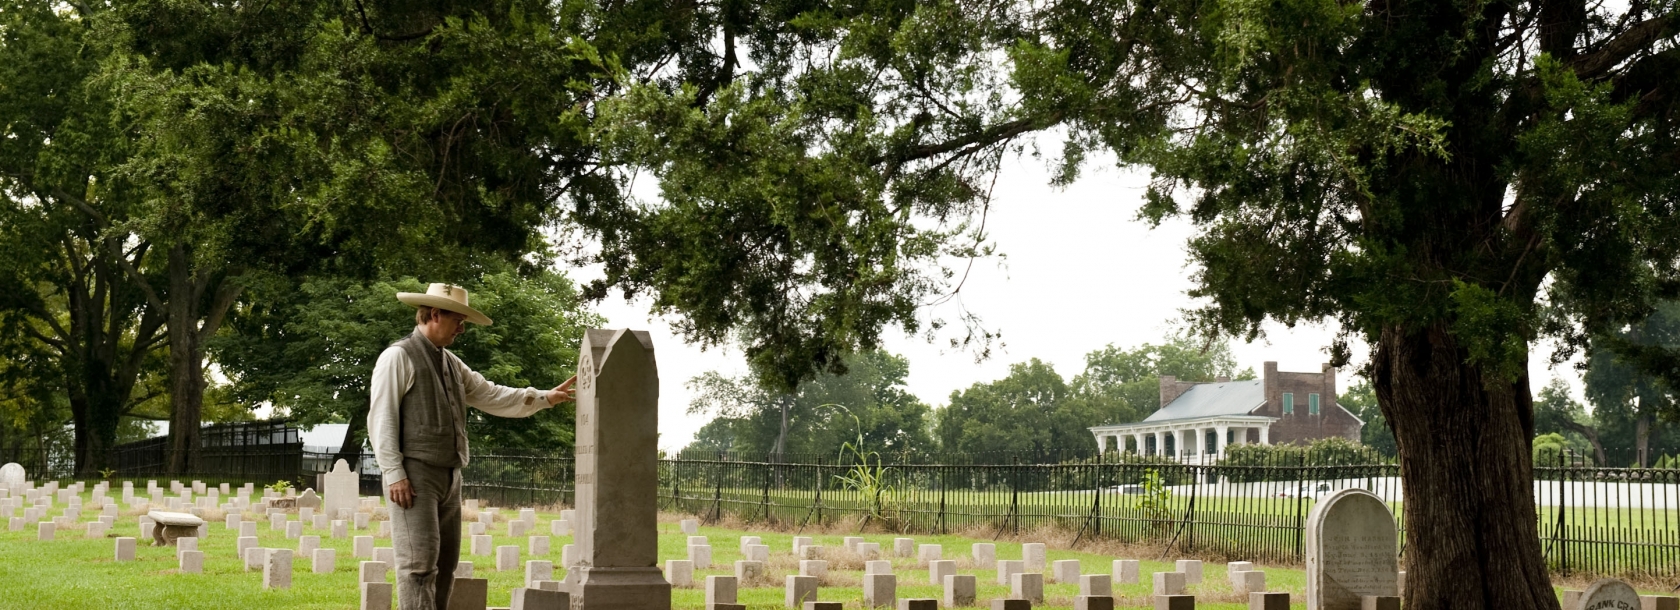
(1203, 418)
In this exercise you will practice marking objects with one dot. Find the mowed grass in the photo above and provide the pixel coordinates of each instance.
(74, 572)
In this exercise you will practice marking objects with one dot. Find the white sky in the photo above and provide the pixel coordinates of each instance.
(1081, 272)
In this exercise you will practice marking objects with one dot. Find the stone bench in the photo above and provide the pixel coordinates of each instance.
(171, 526)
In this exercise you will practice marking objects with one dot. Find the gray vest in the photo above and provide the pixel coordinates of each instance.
(433, 416)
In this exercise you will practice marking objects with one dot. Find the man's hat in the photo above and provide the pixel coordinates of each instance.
(448, 297)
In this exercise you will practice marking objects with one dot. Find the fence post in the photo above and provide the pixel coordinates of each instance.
(1300, 479)
(766, 500)
(1015, 497)
(717, 497)
(942, 485)
(1563, 517)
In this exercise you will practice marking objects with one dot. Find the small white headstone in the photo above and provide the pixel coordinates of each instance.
(12, 476)
(341, 489)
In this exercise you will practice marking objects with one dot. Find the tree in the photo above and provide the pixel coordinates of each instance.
(1424, 173)
(1628, 394)
(1124, 386)
(309, 349)
(815, 421)
(1361, 400)
(1030, 413)
(1556, 413)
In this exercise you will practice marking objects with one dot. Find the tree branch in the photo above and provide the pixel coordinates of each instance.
(225, 297)
(1638, 38)
(152, 297)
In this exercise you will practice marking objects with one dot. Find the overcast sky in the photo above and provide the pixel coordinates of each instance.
(1080, 272)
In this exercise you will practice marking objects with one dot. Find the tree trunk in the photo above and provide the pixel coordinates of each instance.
(186, 364)
(351, 449)
(1642, 441)
(1464, 436)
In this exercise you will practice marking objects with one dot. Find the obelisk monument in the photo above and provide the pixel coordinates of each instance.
(617, 484)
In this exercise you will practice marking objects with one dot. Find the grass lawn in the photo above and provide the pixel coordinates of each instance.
(74, 572)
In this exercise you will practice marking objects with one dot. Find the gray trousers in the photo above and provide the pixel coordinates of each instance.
(427, 537)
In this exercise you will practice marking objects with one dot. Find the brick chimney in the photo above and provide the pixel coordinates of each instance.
(1269, 381)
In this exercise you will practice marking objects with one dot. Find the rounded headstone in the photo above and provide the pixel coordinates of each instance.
(1352, 551)
(1609, 594)
(12, 476)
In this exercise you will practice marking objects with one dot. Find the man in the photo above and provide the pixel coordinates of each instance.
(417, 424)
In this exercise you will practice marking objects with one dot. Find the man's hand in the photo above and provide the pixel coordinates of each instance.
(402, 494)
(562, 393)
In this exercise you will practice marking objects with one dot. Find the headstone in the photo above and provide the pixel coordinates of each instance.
(96, 529)
(690, 526)
(376, 596)
(1252, 581)
(569, 558)
(469, 594)
(125, 549)
(926, 553)
(1175, 602)
(530, 598)
(810, 551)
(878, 566)
(1093, 602)
(880, 590)
(482, 545)
(12, 476)
(1232, 568)
(1007, 568)
(44, 530)
(537, 545)
(985, 555)
(255, 558)
(507, 558)
(1028, 586)
(1096, 585)
(294, 530)
(361, 521)
(617, 476)
(323, 561)
(1269, 601)
(362, 547)
(799, 544)
(371, 571)
(340, 530)
(538, 570)
(938, 569)
(339, 490)
(247, 529)
(747, 541)
(517, 528)
(308, 501)
(385, 554)
(823, 606)
(1380, 602)
(277, 573)
(1352, 551)
(476, 529)
(185, 544)
(679, 572)
(1065, 571)
(918, 604)
(1011, 604)
(869, 550)
(813, 567)
(798, 590)
(851, 542)
(1169, 583)
(307, 545)
(720, 590)
(1608, 594)
(904, 547)
(192, 562)
(959, 590)
(1033, 554)
(1125, 572)
(748, 571)
(244, 543)
(1192, 569)
(1658, 602)
(560, 527)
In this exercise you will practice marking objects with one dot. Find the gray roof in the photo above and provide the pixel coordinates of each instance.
(1213, 399)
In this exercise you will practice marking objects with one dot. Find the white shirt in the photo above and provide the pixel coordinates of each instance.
(393, 375)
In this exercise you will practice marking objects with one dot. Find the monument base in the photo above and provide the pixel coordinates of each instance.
(617, 589)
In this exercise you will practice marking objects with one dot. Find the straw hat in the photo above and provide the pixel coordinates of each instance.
(448, 297)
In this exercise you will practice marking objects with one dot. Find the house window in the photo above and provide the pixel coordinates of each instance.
(1288, 403)
(1312, 404)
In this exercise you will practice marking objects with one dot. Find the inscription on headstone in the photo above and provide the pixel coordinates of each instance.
(1609, 594)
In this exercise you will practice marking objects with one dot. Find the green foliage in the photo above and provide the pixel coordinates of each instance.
(1630, 383)
(867, 474)
(1249, 461)
(1155, 497)
(310, 348)
(279, 486)
(1552, 450)
(1029, 414)
(1361, 400)
(748, 416)
(1123, 386)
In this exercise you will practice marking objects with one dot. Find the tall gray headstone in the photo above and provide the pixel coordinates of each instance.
(1352, 551)
(616, 529)
(341, 489)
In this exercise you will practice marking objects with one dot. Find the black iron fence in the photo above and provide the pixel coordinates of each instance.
(1597, 520)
